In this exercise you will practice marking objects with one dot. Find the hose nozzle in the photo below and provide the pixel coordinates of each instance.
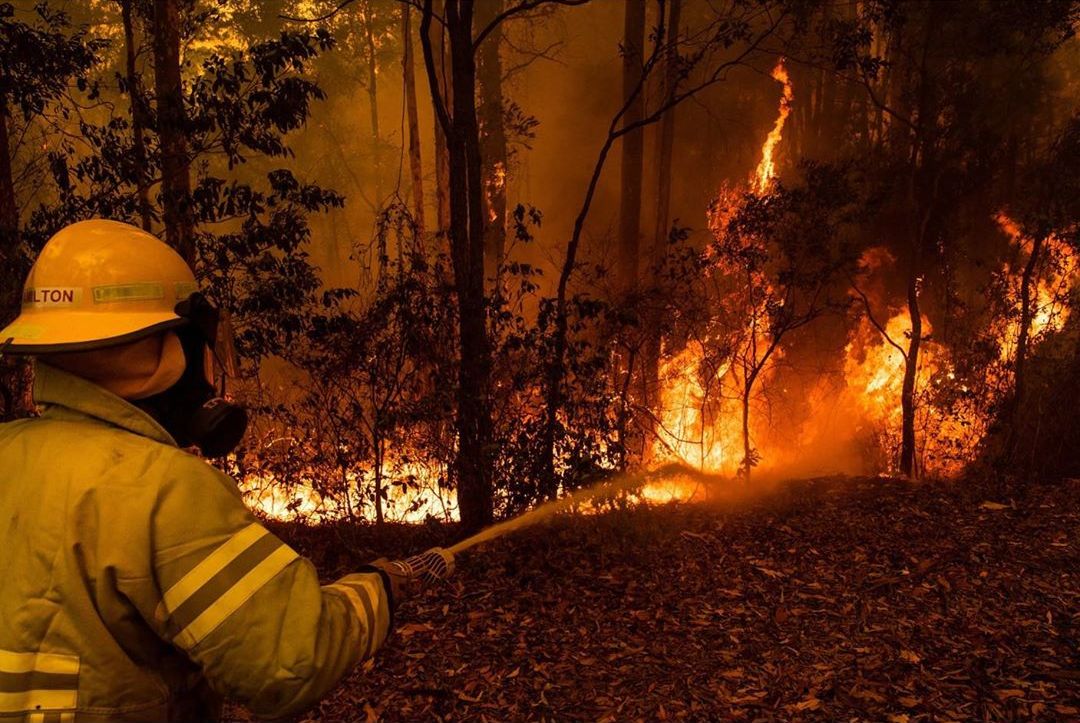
(428, 566)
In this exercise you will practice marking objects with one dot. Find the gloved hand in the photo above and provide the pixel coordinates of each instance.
(408, 576)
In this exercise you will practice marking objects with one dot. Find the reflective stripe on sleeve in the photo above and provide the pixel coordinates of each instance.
(366, 596)
(33, 681)
(51, 717)
(216, 588)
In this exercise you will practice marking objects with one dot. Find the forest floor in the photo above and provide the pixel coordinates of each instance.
(831, 599)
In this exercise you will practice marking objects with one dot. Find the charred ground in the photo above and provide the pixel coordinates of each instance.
(860, 599)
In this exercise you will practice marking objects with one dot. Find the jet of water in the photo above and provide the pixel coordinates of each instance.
(606, 488)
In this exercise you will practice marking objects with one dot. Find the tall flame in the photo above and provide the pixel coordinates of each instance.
(699, 423)
(766, 170)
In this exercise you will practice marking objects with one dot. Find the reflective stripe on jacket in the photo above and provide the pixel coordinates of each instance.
(135, 585)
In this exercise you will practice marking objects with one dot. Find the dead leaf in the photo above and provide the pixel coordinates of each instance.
(414, 628)
(811, 703)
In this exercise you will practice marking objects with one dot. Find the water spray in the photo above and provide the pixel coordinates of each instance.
(576, 498)
(437, 563)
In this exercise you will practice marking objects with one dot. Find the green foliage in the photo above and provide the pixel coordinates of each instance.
(252, 254)
(39, 58)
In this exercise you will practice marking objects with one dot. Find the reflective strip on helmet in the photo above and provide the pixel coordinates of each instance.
(128, 292)
(35, 681)
(52, 296)
(184, 289)
(217, 587)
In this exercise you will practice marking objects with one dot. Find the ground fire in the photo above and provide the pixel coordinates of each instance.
(544, 360)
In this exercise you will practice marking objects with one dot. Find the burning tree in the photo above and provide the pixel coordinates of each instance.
(780, 254)
(937, 116)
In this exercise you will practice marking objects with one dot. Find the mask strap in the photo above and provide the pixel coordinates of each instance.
(221, 366)
(206, 318)
(201, 314)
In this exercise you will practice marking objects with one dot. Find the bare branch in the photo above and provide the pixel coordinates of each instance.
(873, 320)
(429, 66)
(523, 7)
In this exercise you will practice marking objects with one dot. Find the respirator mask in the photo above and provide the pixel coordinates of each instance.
(194, 411)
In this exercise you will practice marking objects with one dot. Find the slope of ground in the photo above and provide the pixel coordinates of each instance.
(825, 600)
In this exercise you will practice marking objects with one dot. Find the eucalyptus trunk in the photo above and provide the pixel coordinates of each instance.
(416, 168)
(633, 145)
(138, 117)
(492, 137)
(175, 163)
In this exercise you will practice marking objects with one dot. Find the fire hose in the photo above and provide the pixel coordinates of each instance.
(438, 563)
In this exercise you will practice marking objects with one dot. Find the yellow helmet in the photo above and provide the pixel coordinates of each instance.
(96, 284)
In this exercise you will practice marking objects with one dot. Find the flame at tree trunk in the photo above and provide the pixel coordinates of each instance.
(1048, 303)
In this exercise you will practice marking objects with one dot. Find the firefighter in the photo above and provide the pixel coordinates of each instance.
(134, 583)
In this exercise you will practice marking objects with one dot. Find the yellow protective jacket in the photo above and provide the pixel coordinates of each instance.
(136, 586)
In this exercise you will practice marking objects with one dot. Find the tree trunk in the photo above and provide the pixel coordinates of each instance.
(665, 145)
(379, 456)
(138, 115)
(10, 286)
(922, 192)
(9, 226)
(416, 169)
(442, 81)
(492, 138)
(442, 179)
(911, 370)
(175, 165)
(1026, 315)
(747, 461)
(14, 371)
(473, 463)
(373, 103)
(665, 140)
(632, 146)
(9, 210)
(556, 367)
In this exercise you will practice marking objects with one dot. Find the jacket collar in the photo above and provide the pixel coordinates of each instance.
(65, 395)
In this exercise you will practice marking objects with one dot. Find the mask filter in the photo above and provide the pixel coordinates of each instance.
(191, 410)
(217, 427)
